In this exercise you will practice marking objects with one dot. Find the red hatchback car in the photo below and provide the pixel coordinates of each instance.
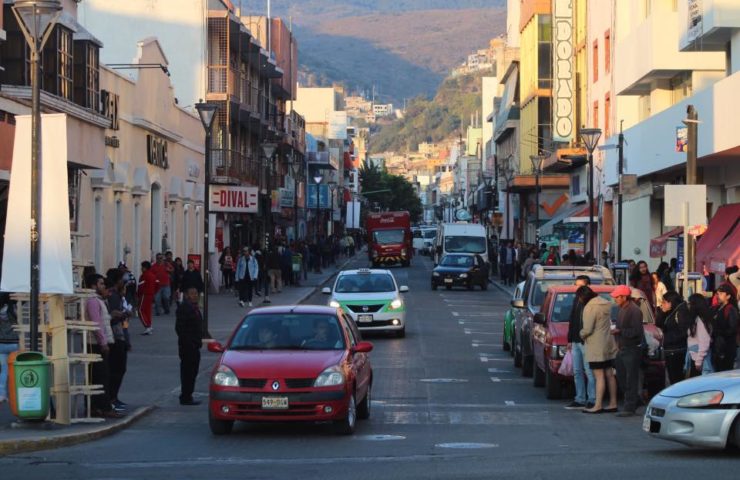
(291, 363)
(550, 338)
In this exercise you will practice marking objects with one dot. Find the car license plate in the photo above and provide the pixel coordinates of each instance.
(646, 424)
(448, 280)
(275, 403)
(364, 318)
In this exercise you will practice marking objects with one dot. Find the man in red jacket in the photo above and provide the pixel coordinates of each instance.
(148, 286)
(162, 297)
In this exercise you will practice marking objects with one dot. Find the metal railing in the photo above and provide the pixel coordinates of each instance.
(227, 163)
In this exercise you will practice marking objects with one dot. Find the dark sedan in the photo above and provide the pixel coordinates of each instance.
(460, 270)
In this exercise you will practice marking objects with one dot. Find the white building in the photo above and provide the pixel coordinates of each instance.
(383, 110)
(678, 66)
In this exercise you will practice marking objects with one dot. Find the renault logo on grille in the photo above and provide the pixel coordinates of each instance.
(276, 385)
(365, 308)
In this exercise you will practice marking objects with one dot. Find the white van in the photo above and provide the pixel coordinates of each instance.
(423, 239)
(460, 238)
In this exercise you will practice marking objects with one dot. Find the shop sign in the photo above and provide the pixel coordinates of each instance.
(275, 201)
(157, 151)
(287, 197)
(696, 19)
(234, 199)
(563, 73)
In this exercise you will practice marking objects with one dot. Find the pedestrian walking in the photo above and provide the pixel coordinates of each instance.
(583, 376)
(8, 340)
(724, 329)
(600, 348)
(509, 263)
(191, 278)
(146, 292)
(659, 288)
(674, 319)
(226, 261)
(247, 275)
(177, 280)
(699, 340)
(286, 265)
(189, 329)
(164, 291)
(630, 337)
(641, 279)
(119, 317)
(274, 270)
(102, 338)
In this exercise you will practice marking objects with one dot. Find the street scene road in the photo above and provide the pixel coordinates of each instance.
(448, 403)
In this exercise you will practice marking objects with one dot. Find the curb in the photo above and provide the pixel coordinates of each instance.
(11, 447)
(501, 288)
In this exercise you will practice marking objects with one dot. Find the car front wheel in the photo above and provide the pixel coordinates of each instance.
(363, 409)
(219, 427)
(553, 389)
(346, 426)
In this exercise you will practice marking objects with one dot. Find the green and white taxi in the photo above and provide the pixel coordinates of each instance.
(372, 298)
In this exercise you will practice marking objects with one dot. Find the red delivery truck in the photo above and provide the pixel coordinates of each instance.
(389, 238)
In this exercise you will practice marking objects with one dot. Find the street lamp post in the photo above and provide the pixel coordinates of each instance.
(332, 188)
(207, 113)
(268, 149)
(36, 19)
(590, 137)
(317, 180)
(487, 179)
(537, 161)
(295, 168)
(509, 177)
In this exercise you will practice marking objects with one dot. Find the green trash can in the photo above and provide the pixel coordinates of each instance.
(28, 373)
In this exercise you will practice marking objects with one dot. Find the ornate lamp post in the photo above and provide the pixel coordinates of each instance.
(317, 180)
(207, 113)
(508, 177)
(537, 161)
(590, 137)
(36, 19)
(268, 149)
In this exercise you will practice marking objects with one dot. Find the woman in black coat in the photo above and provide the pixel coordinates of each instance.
(724, 329)
(674, 319)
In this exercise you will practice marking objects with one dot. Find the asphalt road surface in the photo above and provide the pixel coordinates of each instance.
(448, 403)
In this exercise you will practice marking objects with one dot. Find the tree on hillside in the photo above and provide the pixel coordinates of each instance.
(401, 194)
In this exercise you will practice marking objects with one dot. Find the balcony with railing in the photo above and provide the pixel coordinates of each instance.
(227, 166)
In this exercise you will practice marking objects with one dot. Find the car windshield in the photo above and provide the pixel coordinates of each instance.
(388, 237)
(289, 332)
(365, 283)
(457, 261)
(564, 304)
(465, 244)
(541, 286)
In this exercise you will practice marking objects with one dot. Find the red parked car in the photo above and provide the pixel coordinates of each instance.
(291, 363)
(550, 338)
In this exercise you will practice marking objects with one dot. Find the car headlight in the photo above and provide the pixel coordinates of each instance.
(702, 399)
(463, 275)
(334, 304)
(225, 377)
(396, 304)
(435, 274)
(330, 377)
(403, 252)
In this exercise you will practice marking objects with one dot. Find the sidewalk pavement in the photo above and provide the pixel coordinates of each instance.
(153, 377)
(499, 284)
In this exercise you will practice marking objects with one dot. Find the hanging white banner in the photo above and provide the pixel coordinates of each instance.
(56, 252)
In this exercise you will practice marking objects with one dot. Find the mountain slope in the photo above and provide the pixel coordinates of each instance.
(402, 47)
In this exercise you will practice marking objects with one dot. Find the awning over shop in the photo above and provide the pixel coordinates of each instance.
(727, 253)
(582, 215)
(715, 248)
(658, 244)
(549, 227)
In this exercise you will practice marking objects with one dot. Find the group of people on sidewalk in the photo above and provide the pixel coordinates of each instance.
(516, 259)
(700, 336)
(256, 272)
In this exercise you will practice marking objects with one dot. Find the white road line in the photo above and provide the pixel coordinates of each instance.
(476, 345)
(495, 379)
(510, 403)
(483, 359)
(455, 314)
(468, 331)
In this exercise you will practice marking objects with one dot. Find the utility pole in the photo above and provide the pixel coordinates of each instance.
(620, 167)
(692, 124)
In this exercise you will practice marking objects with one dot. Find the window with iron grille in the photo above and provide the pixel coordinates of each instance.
(58, 63)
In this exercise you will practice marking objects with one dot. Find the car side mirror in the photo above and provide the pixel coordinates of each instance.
(215, 347)
(403, 289)
(326, 291)
(363, 347)
(539, 318)
(517, 303)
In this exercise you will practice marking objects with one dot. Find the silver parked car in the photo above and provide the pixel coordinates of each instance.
(702, 411)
